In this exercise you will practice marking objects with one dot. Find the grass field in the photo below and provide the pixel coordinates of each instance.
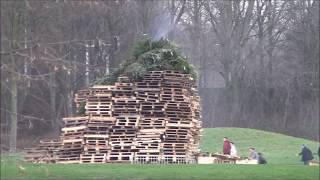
(280, 151)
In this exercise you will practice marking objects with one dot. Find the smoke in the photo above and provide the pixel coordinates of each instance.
(162, 27)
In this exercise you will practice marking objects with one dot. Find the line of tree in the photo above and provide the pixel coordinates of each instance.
(257, 60)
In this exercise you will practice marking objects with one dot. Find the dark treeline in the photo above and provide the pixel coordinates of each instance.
(257, 61)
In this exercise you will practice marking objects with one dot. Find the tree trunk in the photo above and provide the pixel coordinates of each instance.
(15, 33)
(52, 87)
(107, 67)
(69, 93)
(261, 73)
(87, 74)
(13, 114)
(269, 83)
(196, 35)
(112, 53)
(286, 108)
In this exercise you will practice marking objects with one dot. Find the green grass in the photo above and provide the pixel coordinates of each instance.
(279, 150)
(127, 171)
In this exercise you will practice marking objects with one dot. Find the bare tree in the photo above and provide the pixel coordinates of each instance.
(257, 60)
(232, 23)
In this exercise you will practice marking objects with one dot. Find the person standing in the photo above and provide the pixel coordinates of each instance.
(306, 155)
(226, 146)
(233, 149)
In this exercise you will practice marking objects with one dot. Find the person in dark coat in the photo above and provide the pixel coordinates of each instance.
(306, 155)
(163, 137)
(226, 146)
(261, 159)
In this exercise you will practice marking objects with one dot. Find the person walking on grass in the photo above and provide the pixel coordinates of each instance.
(226, 146)
(233, 149)
(306, 155)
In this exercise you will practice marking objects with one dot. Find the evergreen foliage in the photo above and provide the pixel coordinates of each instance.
(82, 108)
(151, 56)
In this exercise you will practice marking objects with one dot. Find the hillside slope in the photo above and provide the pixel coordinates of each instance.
(277, 148)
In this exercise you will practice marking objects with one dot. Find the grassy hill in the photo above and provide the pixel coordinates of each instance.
(280, 151)
(277, 148)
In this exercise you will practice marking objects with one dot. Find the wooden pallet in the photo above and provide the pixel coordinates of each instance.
(93, 158)
(46, 152)
(75, 121)
(120, 156)
(128, 120)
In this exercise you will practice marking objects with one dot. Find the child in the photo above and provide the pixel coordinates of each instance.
(233, 150)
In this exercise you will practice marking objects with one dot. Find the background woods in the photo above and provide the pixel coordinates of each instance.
(257, 61)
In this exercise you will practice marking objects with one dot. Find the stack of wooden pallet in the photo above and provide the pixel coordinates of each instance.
(155, 120)
(72, 139)
(46, 152)
(99, 110)
(96, 140)
(122, 138)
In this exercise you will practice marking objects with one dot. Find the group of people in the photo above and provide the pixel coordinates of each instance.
(229, 148)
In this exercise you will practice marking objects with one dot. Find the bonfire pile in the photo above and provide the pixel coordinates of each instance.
(139, 115)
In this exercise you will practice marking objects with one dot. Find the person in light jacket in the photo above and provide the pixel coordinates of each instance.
(253, 155)
(233, 149)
